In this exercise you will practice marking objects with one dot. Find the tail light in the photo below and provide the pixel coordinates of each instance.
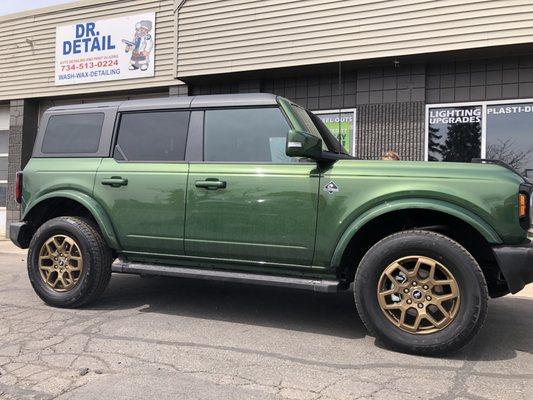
(18, 187)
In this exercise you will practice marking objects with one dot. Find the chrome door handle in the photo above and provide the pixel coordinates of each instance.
(210, 184)
(114, 181)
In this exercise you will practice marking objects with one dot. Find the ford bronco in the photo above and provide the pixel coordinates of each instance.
(255, 189)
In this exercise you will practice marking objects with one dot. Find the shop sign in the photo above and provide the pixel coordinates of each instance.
(454, 115)
(341, 123)
(509, 109)
(454, 133)
(105, 50)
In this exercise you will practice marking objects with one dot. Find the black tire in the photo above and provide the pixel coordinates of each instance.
(97, 260)
(470, 281)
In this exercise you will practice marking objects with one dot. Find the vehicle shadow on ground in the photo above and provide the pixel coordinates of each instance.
(298, 310)
(507, 329)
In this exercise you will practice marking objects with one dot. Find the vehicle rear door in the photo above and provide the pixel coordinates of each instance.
(143, 186)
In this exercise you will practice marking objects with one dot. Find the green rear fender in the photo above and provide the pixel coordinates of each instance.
(90, 204)
(404, 204)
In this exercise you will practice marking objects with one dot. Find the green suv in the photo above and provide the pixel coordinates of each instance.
(255, 189)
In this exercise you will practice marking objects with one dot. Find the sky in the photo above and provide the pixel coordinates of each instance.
(13, 6)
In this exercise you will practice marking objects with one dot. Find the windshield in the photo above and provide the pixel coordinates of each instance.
(315, 126)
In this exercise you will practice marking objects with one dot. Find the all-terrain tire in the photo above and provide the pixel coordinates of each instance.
(472, 308)
(97, 259)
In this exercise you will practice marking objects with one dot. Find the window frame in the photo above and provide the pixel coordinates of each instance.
(277, 106)
(483, 104)
(116, 129)
(104, 145)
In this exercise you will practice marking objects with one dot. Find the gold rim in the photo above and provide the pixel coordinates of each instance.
(418, 294)
(60, 263)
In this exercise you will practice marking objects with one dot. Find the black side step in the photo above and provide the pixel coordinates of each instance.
(315, 285)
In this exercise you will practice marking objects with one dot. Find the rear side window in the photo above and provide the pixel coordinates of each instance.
(152, 136)
(246, 135)
(73, 133)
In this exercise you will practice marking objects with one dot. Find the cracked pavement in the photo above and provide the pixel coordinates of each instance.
(180, 339)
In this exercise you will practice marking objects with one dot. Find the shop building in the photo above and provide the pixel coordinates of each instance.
(433, 80)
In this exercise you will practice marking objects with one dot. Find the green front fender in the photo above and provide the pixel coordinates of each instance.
(403, 204)
(99, 214)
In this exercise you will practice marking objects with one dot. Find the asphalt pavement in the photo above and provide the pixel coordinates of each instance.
(164, 338)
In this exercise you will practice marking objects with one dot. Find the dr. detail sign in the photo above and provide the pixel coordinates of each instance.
(105, 50)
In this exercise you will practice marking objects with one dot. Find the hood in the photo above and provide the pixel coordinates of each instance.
(428, 170)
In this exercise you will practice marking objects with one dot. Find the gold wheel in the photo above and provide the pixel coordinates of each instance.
(60, 263)
(418, 294)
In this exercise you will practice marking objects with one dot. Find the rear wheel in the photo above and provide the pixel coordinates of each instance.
(421, 292)
(69, 264)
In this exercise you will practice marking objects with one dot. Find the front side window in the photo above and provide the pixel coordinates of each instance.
(152, 136)
(454, 133)
(245, 135)
(73, 133)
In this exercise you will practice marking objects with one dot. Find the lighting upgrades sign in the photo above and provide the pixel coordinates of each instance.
(105, 50)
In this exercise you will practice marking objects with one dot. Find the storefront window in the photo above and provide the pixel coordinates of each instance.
(341, 123)
(494, 130)
(454, 133)
(510, 135)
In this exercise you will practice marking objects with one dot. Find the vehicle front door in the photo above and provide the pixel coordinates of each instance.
(143, 186)
(247, 202)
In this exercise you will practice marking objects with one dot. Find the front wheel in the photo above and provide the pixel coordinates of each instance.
(69, 263)
(420, 292)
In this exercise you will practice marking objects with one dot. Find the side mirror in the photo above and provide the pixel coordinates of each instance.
(303, 144)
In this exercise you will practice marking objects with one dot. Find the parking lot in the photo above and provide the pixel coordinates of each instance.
(175, 339)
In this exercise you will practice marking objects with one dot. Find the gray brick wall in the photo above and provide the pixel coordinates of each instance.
(181, 90)
(321, 91)
(389, 102)
(478, 80)
(16, 119)
(22, 129)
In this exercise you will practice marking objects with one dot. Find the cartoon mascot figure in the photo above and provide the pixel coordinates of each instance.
(141, 46)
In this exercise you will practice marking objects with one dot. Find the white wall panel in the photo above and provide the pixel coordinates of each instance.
(219, 36)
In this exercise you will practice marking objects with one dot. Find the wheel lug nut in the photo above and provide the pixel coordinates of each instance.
(414, 283)
(409, 301)
(428, 298)
(406, 290)
(420, 305)
(426, 287)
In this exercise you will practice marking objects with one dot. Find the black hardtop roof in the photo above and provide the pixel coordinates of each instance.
(217, 100)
